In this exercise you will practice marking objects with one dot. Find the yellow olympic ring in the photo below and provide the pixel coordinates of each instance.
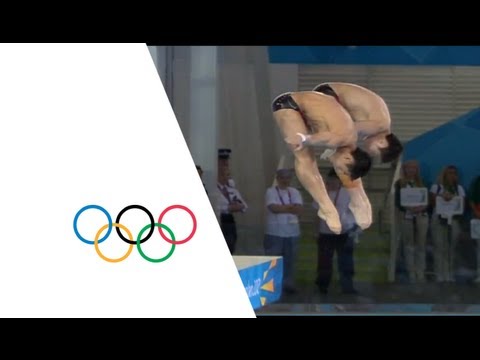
(97, 248)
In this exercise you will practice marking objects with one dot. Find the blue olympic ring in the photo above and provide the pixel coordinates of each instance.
(75, 220)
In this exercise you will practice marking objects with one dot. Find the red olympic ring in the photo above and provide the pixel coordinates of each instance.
(177, 242)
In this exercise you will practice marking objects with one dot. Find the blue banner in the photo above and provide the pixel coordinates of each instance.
(376, 55)
(263, 282)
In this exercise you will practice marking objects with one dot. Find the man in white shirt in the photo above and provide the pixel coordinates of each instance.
(282, 231)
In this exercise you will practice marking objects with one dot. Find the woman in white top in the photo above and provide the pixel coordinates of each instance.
(414, 222)
(445, 231)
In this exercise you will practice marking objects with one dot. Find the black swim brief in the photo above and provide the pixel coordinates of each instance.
(327, 90)
(285, 101)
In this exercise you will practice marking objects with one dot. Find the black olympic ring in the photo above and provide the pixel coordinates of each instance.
(150, 216)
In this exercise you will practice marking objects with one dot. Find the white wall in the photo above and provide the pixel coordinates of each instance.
(246, 86)
(191, 92)
(203, 116)
(246, 126)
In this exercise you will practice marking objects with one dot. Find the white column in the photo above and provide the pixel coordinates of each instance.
(203, 122)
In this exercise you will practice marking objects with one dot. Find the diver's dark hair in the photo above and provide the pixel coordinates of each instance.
(361, 165)
(393, 150)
